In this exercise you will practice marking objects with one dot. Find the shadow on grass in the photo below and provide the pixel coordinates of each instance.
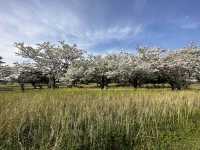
(29, 87)
(6, 89)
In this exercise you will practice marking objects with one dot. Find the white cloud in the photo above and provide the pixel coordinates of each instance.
(37, 23)
(92, 38)
(114, 33)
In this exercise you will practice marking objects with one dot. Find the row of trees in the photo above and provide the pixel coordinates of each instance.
(65, 63)
(150, 65)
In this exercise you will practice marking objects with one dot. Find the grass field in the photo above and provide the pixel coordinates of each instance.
(118, 118)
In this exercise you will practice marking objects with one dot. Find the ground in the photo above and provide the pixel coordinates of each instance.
(90, 118)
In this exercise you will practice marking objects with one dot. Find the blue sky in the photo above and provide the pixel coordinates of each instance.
(98, 26)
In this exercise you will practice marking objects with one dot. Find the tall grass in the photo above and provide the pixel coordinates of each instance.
(95, 119)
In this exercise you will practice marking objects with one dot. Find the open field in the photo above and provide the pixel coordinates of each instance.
(118, 118)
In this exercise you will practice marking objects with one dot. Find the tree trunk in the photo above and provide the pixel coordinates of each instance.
(40, 86)
(52, 82)
(102, 84)
(22, 86)
(175, 86)
(172, 87)
(135, 83)
(34, 85)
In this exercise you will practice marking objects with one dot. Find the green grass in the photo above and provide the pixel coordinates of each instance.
(118, 118)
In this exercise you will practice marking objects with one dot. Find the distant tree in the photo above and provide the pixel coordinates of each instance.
(122, 67)
(51, 59)
(98, 70)
(32, 76)
(180, 67)
(5, 70)
(1, 62)
(76, 72)
(149, 65)
(192, 57)
(149, 58)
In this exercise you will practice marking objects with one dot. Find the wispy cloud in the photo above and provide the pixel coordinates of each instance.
(117, 33)
(36, 23)
(90, 38)
(188, 23)
(97, 26)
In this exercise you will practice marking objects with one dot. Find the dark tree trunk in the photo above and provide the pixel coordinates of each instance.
(34, 85)
(175, 86)
(172, 87)
(179, 86)
(54, 82)
(22, 86)
(103, 82)
(135, 83)
(40, 86)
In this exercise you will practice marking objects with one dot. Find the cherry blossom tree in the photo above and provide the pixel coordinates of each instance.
(76, 72)
(5, 70)
(180, 67)
(98, 70)
(52, 59)
(149, 65)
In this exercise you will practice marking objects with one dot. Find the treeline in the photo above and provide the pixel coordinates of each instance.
(64, 63)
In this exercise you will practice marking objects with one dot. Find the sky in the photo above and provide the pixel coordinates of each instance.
(98, 26)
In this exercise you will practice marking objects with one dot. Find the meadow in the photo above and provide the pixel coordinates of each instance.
(90, 118)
